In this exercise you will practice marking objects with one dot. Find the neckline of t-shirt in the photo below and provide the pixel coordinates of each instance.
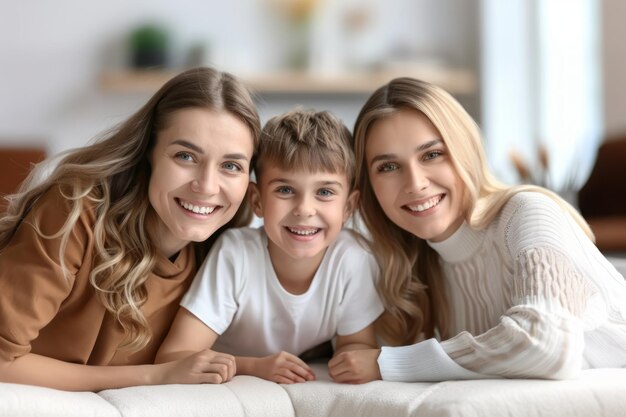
(294, 298)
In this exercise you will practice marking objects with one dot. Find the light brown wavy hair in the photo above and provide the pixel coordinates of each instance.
(411, 286)
(307, 140)
(111, 177)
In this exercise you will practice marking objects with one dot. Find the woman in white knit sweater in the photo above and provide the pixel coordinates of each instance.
(479, 280)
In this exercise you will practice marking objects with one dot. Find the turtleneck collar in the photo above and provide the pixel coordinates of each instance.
(460, 246)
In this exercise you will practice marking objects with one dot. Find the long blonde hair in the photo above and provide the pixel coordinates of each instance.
(411, 285)
(111, 176)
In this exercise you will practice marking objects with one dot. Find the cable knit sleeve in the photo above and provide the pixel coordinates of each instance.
(541, 335)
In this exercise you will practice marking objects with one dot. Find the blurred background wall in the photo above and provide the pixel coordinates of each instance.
(613, 33)
(504, 60)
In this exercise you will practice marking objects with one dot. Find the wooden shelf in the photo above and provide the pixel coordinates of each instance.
(289, 82)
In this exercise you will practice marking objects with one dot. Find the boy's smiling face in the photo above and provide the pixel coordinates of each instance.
(303, 212)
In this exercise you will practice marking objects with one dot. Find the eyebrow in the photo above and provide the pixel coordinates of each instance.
(389, 156)
(198, 149)
(321, 183)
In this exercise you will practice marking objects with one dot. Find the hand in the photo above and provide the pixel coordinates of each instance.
(283, 368)
(355, 366)
(204, 367)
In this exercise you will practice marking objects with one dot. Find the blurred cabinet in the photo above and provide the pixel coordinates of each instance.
(15, 165)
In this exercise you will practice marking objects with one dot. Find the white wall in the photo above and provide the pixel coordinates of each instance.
(52, 52)
(614, 63)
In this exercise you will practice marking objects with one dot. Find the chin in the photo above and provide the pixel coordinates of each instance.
(196, 237)
(305, 255)
(425, 234)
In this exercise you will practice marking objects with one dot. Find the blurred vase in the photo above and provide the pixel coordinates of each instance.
(299, 50)
(299, 16)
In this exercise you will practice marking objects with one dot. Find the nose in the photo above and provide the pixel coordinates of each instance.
(417, 180)
(206, 182)
(305, 207)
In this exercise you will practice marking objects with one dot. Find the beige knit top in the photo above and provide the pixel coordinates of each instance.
(530, 296)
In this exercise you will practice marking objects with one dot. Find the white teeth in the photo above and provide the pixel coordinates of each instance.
(303, 232)
(430, 203)
(196, 209)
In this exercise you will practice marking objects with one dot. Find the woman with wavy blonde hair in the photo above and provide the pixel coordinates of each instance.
(478, 279)
(95, 258)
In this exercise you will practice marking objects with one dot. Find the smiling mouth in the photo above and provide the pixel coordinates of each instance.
(303, 231)
(419, 208)
(203, 210)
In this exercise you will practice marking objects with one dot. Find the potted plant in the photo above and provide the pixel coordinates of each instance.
(149, 46)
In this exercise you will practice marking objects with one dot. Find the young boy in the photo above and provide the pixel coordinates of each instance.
(267, 295)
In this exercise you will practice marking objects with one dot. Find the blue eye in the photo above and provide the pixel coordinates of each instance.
(231, 166)
(387, 167)
(284, 190)
(432, 155)
(325, 192)
(184, 156)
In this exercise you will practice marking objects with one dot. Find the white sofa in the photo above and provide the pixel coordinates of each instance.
(598, 392)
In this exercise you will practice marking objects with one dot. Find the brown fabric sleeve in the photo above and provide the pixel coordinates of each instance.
(32, 284)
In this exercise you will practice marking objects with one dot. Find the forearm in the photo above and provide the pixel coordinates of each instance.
(164, 357)
(282, 367)
(363, 339)
(425, 361)
(246, 365)
(528, 343)
(355, 346)
(39, 370)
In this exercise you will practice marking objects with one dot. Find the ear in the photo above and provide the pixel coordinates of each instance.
(351, 204)
(254, 194)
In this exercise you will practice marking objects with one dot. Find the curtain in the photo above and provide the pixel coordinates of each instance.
(541, 90)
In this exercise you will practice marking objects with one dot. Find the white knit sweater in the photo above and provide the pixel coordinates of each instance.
(530, 296)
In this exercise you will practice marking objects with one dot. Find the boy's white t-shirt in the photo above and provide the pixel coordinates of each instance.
(237, 294)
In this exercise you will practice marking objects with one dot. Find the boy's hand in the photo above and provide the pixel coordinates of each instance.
(205, 367)
(355, 366)
(283, 368)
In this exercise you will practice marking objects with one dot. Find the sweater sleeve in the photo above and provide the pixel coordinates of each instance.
(539, 337)
(541, 334)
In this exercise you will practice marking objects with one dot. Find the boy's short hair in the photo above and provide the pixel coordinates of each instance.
(307, 140)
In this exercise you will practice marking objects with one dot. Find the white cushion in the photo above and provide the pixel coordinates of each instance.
(241, 397)
(26, 400)
(598, 392)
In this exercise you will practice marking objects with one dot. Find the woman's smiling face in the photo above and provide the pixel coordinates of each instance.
(412, 175)
(200, 174)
